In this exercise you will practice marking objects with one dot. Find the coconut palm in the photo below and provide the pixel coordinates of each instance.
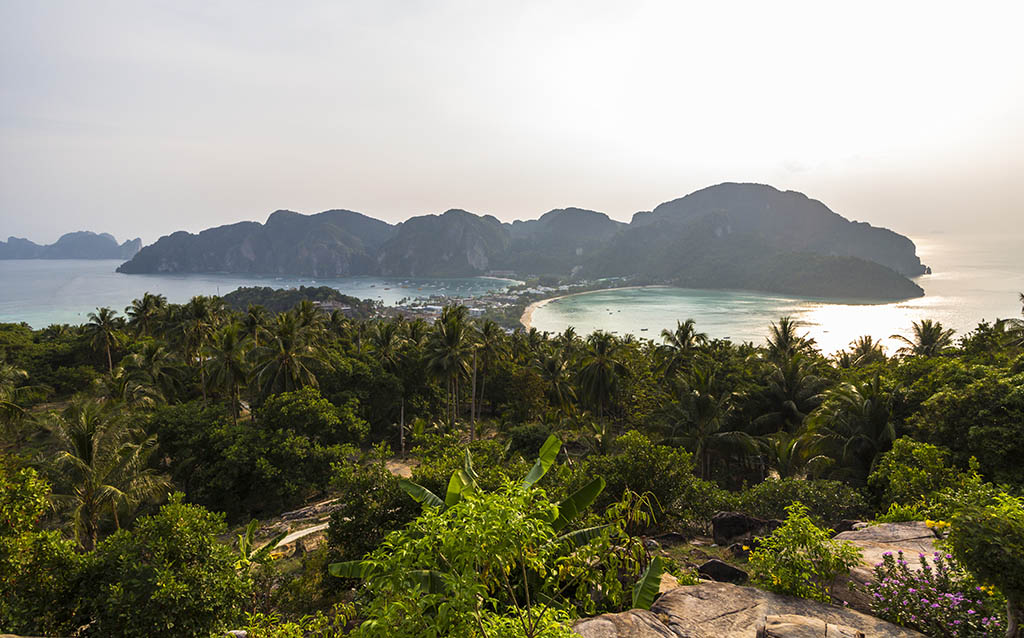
(784, 342)
(930, 339)
(224, 358)
(491, 344)
(155, 365)
(104, 332)
(285, 362)
(12, 390)
(143, 314)
(129, 389)
(101, 467)
(697, 419)
(254, 323)
(387, 339)
(680, 345)
(855, 423)
(795, 455)
(449, 349)
(862, 351)
(601, 371)
(554, 371)
(792, 393)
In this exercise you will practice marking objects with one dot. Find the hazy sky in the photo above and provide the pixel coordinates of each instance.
(140, 118)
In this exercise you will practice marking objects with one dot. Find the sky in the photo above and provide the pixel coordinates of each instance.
(140, 118)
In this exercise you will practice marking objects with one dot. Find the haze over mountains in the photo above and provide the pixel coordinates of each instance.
(78, 245)
(739, 236)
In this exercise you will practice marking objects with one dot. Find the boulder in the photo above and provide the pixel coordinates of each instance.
(790, 626)
(720, 610)
(731, 527)
(913, 538)
(722, 572)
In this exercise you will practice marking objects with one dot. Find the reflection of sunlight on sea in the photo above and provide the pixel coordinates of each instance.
(972, 282)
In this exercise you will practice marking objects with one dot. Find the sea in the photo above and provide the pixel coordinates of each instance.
(41, 292)
(973, 278)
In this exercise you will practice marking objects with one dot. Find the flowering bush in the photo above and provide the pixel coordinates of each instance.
(939, 599)
(801, 559)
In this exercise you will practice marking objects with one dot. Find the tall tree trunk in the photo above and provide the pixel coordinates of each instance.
(1014, 612)
(401, 429)
(472, 404)
(483, 386)
(110, 360)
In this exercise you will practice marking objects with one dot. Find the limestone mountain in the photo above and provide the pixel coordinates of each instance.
(454, 244)
(77, 245)
(739, 236)
(335, 243)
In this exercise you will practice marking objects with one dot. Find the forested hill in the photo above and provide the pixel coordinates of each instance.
(740, 236)
(77, 245)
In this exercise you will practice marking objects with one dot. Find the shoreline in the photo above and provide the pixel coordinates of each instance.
(526, 320)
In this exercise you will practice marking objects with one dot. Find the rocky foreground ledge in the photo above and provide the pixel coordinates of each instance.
(720, 610)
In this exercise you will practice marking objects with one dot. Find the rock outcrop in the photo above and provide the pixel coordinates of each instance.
(719, 610)
(913, 539)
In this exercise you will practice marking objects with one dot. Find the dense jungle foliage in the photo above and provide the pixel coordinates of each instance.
(133, 445)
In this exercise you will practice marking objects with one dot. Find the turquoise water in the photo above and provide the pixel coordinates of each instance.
(41, 292)
(974, 278)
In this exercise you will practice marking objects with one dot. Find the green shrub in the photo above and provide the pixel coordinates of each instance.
(371, 505)
(39, 571)
(827, 502)
(989, 541)
(910, 472)
(666, 473)
(800, 559)
(902, 514)
(169, 575)
(527, 438)
(305, 412)
(442, 454)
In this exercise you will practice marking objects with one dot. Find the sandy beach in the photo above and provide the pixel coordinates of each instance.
(527, 318)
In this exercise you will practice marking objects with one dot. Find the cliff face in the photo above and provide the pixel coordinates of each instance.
(77, 245)
(336, 243)
(744, 236)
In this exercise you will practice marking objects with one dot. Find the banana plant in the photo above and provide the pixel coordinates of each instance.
(464, 482)
(646, 589)
(248, 556)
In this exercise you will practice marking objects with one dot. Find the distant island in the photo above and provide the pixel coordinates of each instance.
(728, 236)
(78, 245)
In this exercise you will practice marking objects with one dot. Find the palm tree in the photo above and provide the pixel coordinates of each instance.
(855, 422)
(225, 360)
(387, 339)
(285, 363)
(254, 323)
(101, 467)
(930, 339)
(554, 370)
(698, 418)
(795, 455)
(127, 388)
(11, 390)
(863, 351)
(793, 392)
(492, 345)
(601, 371)
(156, 366)
(784, 342)
(104, 332)
(144, 313)
(449, 348)
(681, 344)
(198, 319)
